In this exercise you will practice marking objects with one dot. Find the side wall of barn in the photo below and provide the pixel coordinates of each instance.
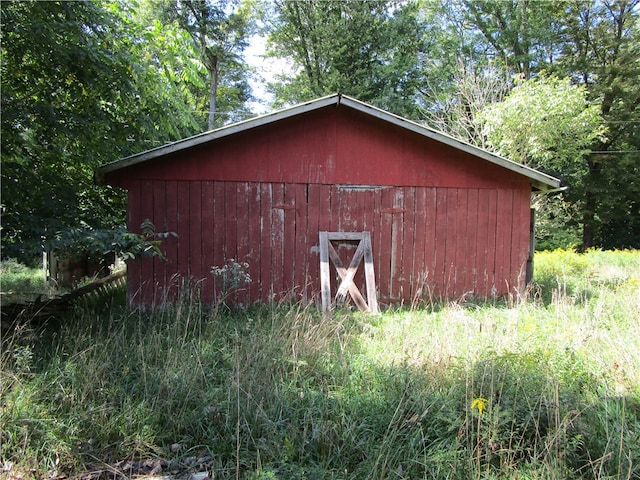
(419, 235)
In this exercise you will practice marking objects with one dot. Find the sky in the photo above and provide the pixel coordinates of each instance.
(265, 72)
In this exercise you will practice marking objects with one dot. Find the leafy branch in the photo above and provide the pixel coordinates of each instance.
(96, 244)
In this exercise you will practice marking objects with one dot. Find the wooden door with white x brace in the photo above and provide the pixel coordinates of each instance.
(347, 275)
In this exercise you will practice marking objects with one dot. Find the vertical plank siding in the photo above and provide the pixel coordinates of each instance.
(443, 221)
(159, 266)
(300, 223)
(254, 233)
(243, 250)
(472, 241)
(261, 270)
(183, 266)
(276, 278)
(170, 244)
(427, 241)
(195, 231)
(208, 226)
(134, 221)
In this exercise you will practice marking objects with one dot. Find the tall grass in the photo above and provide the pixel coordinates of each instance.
(545, 388)
(19, 281)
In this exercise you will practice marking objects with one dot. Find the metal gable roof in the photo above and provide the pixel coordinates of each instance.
(539, 181)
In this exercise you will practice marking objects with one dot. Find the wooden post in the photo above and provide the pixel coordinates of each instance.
(369, 275)
(44, 270)
(325, 273)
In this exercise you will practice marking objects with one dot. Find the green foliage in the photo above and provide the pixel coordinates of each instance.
(606, 41)
(533, 390)
(522, 35)
(96, 244)
(475, 50)
(16, 277)
(612, 443)
(557, 222)
(596, 45)
(470, 92)
(355, 48)
(218, 30)
(584, 276)
(546, 123)
(79, 90)
(556, 267)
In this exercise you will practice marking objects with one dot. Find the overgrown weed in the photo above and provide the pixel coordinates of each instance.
(546, 387)
(18, 281)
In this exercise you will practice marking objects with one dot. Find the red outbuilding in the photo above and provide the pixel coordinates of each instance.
(445, 219)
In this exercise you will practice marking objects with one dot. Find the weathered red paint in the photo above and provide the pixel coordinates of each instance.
(443, 222)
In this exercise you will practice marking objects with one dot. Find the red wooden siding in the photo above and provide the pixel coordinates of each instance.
(426, 240)
(329, 147)
(443, 222)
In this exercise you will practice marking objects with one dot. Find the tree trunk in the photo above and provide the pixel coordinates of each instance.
(588, 220)
(213, 92)
(590, 201)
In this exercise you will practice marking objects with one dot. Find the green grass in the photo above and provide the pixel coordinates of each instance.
(544, 386)
(18, 281)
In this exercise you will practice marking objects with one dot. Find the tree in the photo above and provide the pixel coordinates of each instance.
(544, 123)
(480, 46)
(595, 43)
(473, 89)
(522, 34)
(368, 50)
(601, 50)
(219, 30)
(547, 123)
(77, 91)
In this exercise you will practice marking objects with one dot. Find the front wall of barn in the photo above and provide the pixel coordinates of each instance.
(442, 222)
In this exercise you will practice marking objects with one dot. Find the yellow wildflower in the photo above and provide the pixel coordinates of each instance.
(480, 403)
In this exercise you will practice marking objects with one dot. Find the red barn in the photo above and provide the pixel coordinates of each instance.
(446, 219)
